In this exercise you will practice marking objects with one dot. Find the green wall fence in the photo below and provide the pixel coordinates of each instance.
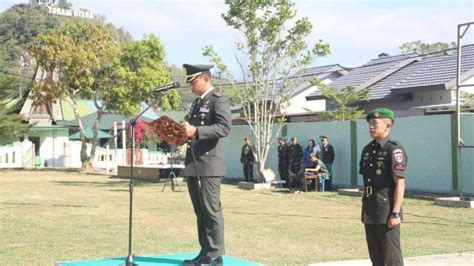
(435, 164)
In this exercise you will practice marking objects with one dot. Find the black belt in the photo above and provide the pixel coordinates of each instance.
(368, 191)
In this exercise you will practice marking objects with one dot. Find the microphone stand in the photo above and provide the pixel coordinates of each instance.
(133, 122)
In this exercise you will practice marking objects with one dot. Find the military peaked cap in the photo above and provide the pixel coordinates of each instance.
(380, 113)
(193, 71)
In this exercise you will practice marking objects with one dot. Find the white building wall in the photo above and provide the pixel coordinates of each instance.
(432, 98)
(17, 155)
(51, 149)
(469, 81)
(299, 104)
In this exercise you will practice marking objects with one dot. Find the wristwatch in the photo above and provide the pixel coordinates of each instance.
(396, 214)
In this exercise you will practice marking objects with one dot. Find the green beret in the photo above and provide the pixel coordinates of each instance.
(322, 137)
(380, 113)
(294, 139)
(282, 138)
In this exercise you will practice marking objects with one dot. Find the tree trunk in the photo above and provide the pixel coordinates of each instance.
(84, 158)
(90, 161)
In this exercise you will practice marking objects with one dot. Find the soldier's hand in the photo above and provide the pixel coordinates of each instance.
(190, 130)
(393, 221)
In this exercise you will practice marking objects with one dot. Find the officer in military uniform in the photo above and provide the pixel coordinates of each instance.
(382, 165)
(283, 162)
(247, 159)
(295, 156)
(209, 121)
(327, 155)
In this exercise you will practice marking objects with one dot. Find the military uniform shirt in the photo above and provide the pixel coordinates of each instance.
(211, 116)
(246, 156)
(379, 163)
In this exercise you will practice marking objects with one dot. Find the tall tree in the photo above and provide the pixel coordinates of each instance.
(426, 48)
(19, 27)
(11, 123)
(274, 48)
(344, 101)
(86, 59)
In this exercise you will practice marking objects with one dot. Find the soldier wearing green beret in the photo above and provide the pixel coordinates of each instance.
(382, 165)
(209, 121)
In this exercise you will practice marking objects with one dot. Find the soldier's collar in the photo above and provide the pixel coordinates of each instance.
(203, 96)
(383, 141)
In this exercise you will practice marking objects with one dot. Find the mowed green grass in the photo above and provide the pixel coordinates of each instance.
(52, 216)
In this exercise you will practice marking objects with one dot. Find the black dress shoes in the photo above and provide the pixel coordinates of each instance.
(194, 261)
(211, 261)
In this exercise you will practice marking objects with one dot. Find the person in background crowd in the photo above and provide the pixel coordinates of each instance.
(327, 156)
(295, 156)
(317, 167)
(247, 160)
(283, 162)
(307, 152)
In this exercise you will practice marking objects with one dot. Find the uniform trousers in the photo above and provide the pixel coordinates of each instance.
(205, 196)
(248, 171)
(384, 245)
(283, 172)
(329, 180)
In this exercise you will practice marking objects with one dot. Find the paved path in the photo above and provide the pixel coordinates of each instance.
(458, 259)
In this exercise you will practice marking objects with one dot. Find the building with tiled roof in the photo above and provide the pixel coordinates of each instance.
(304, 87)
(410, 84)
(300, 87)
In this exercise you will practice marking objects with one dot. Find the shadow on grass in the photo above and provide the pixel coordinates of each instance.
(45, 205)
(110, 183)
(451, 221)
(294, 215)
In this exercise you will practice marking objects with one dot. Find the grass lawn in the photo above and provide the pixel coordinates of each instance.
(51, 216)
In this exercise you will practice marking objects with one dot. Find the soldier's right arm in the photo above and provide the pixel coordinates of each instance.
(361, 172)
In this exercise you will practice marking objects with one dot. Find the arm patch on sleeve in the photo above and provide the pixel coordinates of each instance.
(399, 160)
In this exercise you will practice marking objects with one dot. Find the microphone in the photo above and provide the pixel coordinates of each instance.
(167, 87)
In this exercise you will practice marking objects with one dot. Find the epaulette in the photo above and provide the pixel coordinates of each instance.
(394, 142)
(218, 94)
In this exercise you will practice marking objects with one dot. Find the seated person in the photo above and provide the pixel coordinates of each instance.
(295, 178)
(317, 167)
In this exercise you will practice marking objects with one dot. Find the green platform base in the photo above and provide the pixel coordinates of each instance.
(155, 260)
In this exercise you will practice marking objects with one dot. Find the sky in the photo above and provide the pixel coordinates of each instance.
(356, 30)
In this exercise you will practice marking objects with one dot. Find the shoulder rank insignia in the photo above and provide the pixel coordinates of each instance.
(218, 94)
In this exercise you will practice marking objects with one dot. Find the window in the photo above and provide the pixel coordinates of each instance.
(421, 98)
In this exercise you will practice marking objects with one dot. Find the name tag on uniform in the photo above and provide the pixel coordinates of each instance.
(204, 109)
